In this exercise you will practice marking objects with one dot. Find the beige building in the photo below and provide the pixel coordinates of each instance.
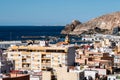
(95, 59)
(46, 75)
(35, 57)
(61, 74)
(102, 43)
(67, 75)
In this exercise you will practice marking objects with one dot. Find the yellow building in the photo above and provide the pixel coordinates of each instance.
(35, 57)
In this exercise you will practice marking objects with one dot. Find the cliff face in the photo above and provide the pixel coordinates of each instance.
(70, 27)
(106, 24)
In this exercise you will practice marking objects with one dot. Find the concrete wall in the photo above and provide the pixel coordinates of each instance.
(62, 74)
(46, 75)
(67, 76)
(100, 71)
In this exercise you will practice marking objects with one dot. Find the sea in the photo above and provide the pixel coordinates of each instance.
(8, 33)
(47, 33)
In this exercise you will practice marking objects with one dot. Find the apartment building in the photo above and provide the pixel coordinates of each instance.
(36, 57)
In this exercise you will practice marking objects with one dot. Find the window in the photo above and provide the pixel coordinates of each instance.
(89, 59)
(50, 50)
(32, 58)
(61, 51)
(58, 57)
(80, 57)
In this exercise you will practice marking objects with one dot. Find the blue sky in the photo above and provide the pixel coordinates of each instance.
(53, 12)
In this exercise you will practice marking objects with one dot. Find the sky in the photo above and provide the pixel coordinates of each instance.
(53, 12)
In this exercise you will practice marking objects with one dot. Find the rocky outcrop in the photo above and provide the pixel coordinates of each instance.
(106, 24)
(70, 27)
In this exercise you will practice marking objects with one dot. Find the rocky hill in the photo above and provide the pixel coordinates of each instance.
(106, 24)
(70, 27)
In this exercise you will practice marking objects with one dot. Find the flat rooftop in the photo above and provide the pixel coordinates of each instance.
(13, 75)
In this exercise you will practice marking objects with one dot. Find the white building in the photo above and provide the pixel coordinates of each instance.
(90, 74)
(113, 77)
